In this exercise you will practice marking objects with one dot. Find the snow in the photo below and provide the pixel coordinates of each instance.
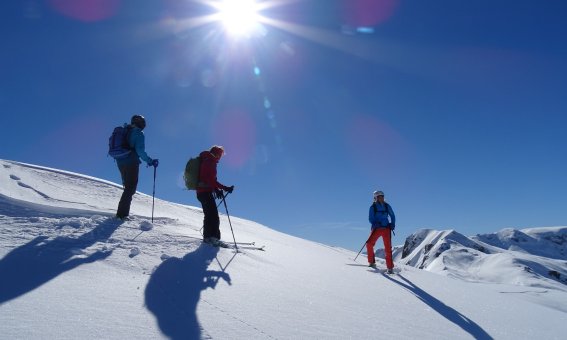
(535, 257)
(69, 270)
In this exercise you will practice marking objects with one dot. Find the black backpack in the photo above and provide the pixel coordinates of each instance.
(386, 206)
(118, 145)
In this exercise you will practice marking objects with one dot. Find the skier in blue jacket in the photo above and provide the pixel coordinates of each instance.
(381, 226)
(130, 166)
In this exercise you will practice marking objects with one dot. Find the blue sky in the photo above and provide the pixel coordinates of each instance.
(457, 110)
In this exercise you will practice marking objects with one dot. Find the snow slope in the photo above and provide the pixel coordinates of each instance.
(69, 270)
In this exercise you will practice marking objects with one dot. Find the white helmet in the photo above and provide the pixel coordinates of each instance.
(378, 193)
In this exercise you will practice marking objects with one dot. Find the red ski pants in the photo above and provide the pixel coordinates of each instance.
(386, 235)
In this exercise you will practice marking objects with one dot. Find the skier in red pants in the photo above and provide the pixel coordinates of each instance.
(381, 227)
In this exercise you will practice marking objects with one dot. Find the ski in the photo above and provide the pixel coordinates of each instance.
(239, 245)
(217, 244)
(246, 247)
(377, 269)
(231, 246)
(246, 243)
(384, 271)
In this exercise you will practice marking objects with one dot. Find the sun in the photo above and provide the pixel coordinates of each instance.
(239, 17)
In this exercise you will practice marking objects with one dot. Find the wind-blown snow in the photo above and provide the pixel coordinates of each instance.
(69, 270)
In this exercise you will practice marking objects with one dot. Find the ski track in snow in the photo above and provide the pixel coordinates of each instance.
(85, 236)
(47, 197)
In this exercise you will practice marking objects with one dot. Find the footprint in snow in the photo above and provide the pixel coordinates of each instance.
(76, 251)
(24, 185)
(134, 251)
(14, 177)
(146, 226)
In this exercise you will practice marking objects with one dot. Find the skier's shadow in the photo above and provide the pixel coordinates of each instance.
(174, 290)
(40, 260)
(449, 313)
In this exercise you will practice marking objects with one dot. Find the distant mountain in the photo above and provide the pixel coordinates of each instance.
(532, 257)
(546, 242)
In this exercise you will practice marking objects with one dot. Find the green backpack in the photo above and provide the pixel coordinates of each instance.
(191, 175)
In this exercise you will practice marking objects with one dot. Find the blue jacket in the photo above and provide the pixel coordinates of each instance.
(379, 219)
(137, 142)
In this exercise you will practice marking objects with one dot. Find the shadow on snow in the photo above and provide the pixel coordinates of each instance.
(174, 289)
(449, 313)
(40, 260)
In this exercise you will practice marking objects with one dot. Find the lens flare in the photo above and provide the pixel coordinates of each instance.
(374, 145)
(236, 128)
(86, 10)
(368, 13)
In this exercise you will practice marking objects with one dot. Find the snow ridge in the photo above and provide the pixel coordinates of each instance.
(530, 257)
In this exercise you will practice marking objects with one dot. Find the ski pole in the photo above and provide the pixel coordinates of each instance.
(154, 193)
(391, 230)
(364, 244)
(227, 215)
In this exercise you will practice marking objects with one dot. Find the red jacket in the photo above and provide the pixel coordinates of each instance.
(208, 173)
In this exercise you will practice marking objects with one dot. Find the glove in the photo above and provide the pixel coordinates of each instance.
(392, 226)
(229, 189)
(155, 163)
(218, 194)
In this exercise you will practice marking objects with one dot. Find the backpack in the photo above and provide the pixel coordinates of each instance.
(386, 208)
(118, 145)
(191, 174)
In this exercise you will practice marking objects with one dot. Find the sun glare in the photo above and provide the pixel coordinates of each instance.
(239, 17)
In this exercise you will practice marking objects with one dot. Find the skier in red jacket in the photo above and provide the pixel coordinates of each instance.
(207, 190)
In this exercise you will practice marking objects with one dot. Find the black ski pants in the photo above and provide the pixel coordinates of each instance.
(129, 173)
(211, 221)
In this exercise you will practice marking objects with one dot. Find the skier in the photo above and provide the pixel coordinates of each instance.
(207, 190)
(381, 227)
(130, 166)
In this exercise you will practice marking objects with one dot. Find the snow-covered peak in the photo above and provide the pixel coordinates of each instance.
(547, 242)
(530, 257)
